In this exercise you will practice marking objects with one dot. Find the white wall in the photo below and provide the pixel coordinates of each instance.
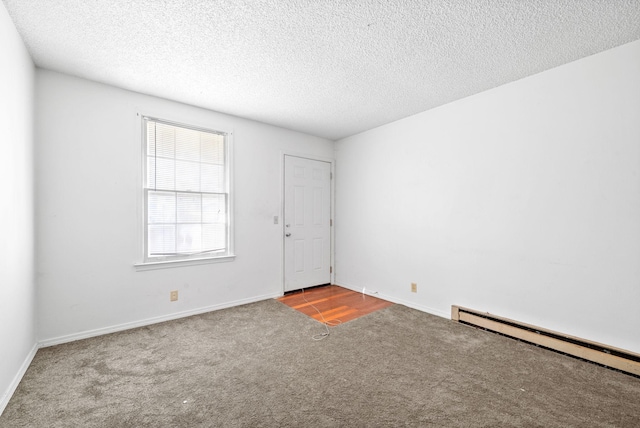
(88, 188)
(17, 298)
(523, 201)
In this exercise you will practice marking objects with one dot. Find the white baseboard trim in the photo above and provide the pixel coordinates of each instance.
(397, 300)
(149, 321)
(6, 396)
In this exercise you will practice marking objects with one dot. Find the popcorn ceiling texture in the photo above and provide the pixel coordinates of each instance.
(326, 68)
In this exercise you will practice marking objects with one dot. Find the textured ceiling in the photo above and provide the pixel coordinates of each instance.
(330, 68)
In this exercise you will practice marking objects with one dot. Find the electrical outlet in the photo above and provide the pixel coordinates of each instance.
(414, 287)
(173, 296)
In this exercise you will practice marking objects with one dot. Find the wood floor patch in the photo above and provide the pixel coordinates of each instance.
(333, 302)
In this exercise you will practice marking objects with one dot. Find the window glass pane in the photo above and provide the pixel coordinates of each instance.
(212, 148)
(214, 236)
(212, 178)
(188, 176)
(161, 207)
(151, 138)
(165, 174)
(189, 238)
(162, 239)
(214, 209)
(189, 208)
(151, 172)
(165, 140)
(187, 144)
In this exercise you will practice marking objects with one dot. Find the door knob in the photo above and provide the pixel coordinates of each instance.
(287, 235)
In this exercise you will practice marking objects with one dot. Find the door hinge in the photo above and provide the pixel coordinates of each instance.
(331, 175)
(330, 222)
(330, 269)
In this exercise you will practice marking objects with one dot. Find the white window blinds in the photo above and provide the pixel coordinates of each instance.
(186, 191)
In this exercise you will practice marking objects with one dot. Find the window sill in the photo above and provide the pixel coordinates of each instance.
(181, 263)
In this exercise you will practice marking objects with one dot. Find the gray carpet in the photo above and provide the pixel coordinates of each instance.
(256, 365)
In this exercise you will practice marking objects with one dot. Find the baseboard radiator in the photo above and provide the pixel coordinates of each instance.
(592, 351)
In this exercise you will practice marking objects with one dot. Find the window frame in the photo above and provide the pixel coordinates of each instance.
(154, 262)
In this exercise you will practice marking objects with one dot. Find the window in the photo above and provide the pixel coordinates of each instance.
(186, 192)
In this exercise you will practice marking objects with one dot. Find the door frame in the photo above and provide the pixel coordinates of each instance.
(332, 162)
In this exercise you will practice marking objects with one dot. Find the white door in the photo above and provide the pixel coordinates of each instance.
(307, 223)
